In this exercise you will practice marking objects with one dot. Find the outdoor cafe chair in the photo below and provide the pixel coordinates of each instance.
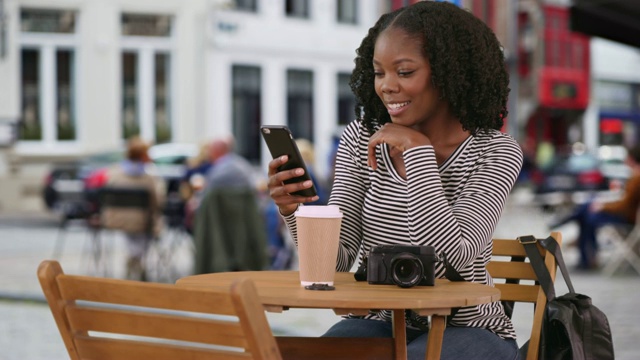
(102, 318)
(517, 281)
(625, 239)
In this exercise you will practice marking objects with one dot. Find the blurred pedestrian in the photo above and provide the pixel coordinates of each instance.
(228, 169)
(229, 230)
(194, 177)
(193, 182)
(594, 214)
(136, 171)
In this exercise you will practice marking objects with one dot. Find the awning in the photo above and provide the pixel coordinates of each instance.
(617, 20)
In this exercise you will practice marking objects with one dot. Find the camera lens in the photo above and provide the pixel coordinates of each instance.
(406, 270)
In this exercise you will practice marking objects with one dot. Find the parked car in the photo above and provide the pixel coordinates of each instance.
(66, 183)
(570, 178)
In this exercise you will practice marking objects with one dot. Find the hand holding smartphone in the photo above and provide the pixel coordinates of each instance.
(280, 142)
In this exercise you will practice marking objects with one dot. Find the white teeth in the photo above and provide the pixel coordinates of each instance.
(397, 106)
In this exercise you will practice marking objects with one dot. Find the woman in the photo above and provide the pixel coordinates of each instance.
(133, 172)
(426, 164)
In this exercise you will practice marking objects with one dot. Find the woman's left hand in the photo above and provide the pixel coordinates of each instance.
(399, 138)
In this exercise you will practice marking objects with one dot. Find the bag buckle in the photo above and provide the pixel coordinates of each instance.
(528, 239)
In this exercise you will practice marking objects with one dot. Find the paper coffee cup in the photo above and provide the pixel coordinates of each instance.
(318, 240)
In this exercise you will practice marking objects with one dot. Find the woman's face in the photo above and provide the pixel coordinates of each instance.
(403, 78)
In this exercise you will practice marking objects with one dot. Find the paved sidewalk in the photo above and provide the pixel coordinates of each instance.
(30, 332)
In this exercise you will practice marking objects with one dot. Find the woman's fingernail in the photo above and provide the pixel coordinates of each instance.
(283, 158)
(299, 171)
(307, 183)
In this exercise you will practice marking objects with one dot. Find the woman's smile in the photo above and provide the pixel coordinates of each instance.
(396, 108)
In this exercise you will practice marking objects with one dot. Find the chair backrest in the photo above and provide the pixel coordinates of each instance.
(124, 197)
(508, 267)
(102, 318)
(118, 198)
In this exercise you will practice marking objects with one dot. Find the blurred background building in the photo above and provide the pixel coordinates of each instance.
(77, 77)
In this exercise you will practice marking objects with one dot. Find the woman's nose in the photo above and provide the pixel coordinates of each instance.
(389, 84)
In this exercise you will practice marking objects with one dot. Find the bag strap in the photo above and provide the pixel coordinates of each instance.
(544, 278)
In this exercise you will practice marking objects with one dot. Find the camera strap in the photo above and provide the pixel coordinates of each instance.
(449, 271)
(452, 275)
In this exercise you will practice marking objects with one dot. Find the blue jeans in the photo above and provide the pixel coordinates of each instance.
(458, 343)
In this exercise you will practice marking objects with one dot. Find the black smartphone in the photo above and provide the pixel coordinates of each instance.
(280, 142)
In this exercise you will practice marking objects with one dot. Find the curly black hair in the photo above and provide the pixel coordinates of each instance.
(467, 65)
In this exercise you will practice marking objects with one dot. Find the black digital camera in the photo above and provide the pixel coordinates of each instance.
(403, 265)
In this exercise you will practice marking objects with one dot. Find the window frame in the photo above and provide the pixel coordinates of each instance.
(146, 48)
(47, 44)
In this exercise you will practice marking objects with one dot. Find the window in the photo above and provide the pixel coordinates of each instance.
(47, 21)
(66, 129)
(247, 111)
(347, 11)
(130, 119)
(346, 100)
(245, 5)
(146, 73)
(47, 76)
(162, 97)
(146, 25)
(300, 103)
(297, 8)
(31, 126)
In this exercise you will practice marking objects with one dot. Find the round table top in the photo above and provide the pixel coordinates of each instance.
(282, 288)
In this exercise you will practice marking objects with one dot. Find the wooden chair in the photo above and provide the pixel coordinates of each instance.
(508, 267)
(102, 318)
(626, 246)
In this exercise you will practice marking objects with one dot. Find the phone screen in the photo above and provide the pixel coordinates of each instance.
(280, 142)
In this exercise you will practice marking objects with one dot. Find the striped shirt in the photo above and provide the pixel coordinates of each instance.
(453, 207)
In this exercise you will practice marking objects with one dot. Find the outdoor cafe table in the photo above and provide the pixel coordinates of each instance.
(281, 290)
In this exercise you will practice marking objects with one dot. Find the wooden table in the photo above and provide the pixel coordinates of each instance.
(281, 290)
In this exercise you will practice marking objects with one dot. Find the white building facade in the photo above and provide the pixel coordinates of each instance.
(613, 115)
(79, 76)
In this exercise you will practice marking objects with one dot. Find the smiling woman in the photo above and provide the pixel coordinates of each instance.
(424, 165)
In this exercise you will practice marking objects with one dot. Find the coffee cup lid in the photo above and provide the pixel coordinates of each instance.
(319, 211)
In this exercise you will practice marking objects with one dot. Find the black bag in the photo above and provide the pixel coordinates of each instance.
(572, 327)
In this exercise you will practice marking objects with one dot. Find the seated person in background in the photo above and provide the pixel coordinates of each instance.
(593, 215)
(135, 172)
(425, 164)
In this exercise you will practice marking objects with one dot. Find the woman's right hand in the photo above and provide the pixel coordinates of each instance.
(281, 192)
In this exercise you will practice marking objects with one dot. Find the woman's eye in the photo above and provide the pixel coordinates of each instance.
(378, 73)
(405, 73)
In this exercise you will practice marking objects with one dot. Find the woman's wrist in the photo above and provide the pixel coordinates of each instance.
(288, 211)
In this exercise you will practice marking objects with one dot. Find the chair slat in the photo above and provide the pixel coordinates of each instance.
(164, 296)
(109, 349)
(208, 331)
(511, 270)
(508, 247)
(514, 292)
